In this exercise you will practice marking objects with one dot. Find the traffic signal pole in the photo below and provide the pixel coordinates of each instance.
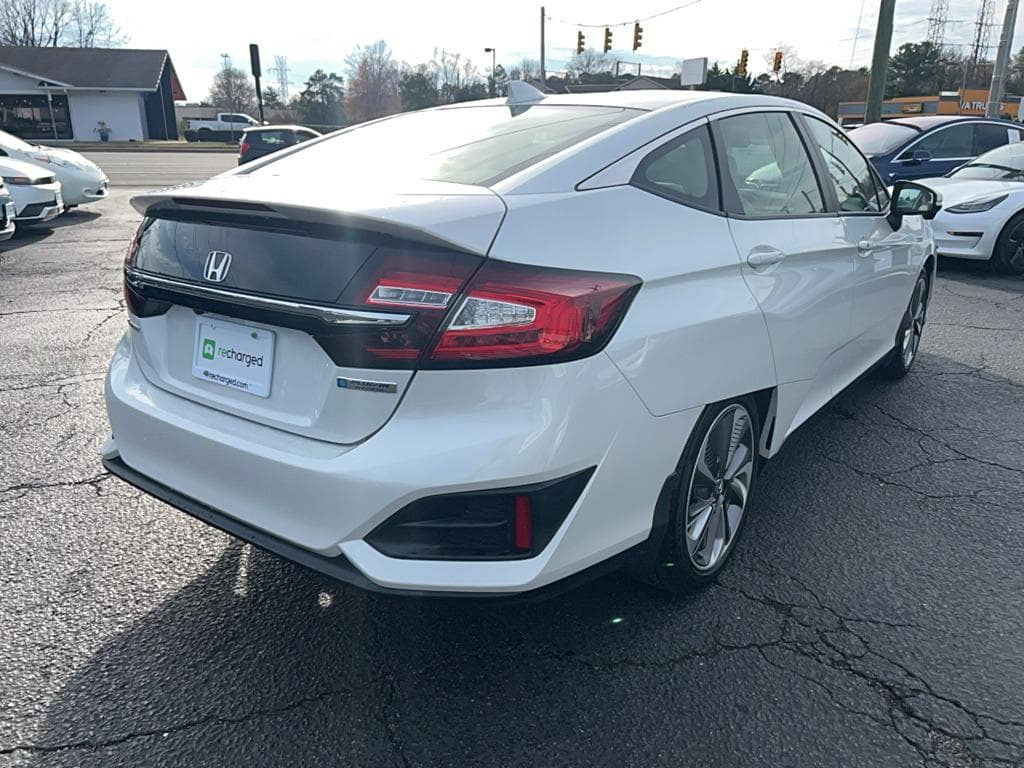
(995, 95)
(879, 62)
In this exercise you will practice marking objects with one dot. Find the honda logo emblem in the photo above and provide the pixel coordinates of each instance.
(217, 265)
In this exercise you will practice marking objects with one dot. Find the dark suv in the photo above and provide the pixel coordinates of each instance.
(929, 146)
(261, 140)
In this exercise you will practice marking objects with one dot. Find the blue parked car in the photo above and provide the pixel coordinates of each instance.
(923, 147)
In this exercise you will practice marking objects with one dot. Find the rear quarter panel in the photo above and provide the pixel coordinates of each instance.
(694, 334)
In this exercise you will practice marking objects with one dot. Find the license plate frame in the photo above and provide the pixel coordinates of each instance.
(233, 355)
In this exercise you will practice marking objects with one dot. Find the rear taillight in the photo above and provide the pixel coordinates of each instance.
(243, 148)
(419, 282)
(133, 246)
(512, 314)
(131, 299)
(416, 305)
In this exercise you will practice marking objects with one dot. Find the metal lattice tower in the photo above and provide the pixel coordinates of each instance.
(937, 22)
(982, 34)
(280, 70)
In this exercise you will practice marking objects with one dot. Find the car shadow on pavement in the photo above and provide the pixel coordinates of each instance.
(260, 662)
(256, 637)
(31, 234)
(978, 273)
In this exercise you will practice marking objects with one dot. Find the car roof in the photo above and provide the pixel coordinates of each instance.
(650, 100)
(928, 122)
(287, 127)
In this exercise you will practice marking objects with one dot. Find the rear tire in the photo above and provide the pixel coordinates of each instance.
(908, 337)
(1008, 255)
(711, 502)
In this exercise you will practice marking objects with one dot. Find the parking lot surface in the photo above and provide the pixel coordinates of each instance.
(161, 169)
(872, 615)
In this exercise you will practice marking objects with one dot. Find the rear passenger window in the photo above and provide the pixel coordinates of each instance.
(682, 170)
(988, 137)
(272, 138)
(848, 171)
(955, 142)
(765, 168)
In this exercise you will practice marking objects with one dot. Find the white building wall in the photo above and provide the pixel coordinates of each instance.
(10, 82)
(121, 110)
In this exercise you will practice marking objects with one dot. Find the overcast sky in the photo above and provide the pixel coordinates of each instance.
(320, 33)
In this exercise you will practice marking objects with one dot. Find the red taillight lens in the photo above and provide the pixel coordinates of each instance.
(133, 246)
(420, 281)
(517, 314)
(243, 148)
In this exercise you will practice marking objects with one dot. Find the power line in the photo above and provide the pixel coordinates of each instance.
(860, 17)
(626, 23)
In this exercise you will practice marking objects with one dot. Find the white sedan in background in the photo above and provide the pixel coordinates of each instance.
(6, 213)
(82, 181)
(982, 217)
(35, 191)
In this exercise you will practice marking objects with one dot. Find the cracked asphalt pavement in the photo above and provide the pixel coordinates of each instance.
(872, 615)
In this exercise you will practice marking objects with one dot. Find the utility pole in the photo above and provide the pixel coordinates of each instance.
(543, 74)
(879, 62)
(995, 94)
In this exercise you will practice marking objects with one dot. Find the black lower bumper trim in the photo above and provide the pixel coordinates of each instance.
(339, 567)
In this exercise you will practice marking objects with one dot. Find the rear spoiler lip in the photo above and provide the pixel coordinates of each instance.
(179, 199)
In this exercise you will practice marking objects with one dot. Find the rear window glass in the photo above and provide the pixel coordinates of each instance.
(881, 138)
(465, 145)
(274, 138)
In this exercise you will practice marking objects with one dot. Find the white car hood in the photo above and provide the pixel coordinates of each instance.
(11, 167)
(956, 191)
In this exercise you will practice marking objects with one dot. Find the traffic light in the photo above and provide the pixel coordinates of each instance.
(607, 39)
(638, 35)
(741, 69)
(777, 64)
(581, 42)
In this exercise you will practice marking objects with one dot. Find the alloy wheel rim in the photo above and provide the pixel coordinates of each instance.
(913, 332)
(719, 487)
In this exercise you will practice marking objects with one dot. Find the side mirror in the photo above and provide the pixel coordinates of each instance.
(921, 156)
(911, 199)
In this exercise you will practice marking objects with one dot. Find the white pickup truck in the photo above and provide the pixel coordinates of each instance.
(227, 126)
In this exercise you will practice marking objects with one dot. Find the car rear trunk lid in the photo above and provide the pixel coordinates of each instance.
(264, 273)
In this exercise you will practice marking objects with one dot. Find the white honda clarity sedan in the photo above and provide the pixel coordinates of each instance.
(521, 340)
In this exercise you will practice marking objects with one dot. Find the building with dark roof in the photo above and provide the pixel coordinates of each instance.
(49, 94)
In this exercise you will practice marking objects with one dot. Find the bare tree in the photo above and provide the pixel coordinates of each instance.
(232, 91)
(590, 62)
(75, 23)
(447, 69)
(92, 26)
(527, 69)
(372, 83)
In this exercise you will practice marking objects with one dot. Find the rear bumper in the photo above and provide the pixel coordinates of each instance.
(314, 502)
(340, 568)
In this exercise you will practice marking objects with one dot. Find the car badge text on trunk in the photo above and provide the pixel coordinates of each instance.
(217, 265)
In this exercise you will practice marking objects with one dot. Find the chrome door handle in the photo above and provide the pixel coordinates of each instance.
(762, 258)
(866, 246)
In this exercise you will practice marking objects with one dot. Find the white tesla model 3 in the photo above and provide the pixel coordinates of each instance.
(482, 348)
(983, 215)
